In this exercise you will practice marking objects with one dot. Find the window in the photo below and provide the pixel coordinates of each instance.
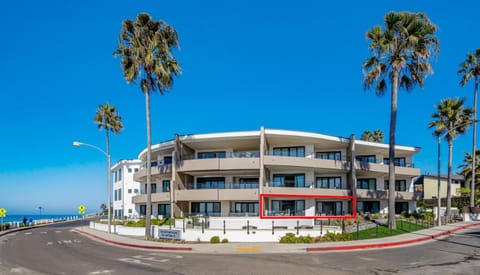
(129, 191)
(210, 183)
(400, 185)
(164, 210)
(398, 162)
(288, 207)
(136, 170)
(295, 180)
(246, 207)
(335, 155)
(211, 155)
(129, 211)
(167, 160)
(368, 159)
(401, 207)
(368, 206)
(143, 210)
(120, 194)
(119, 174)
(115, 176)
(298, 151)
(115, 195)
(370, 184)
(206, 208)
(329, 208)
(154, 188)
(129, 170)
(165, 186)
(135, 191)
(329, 182)
(154, 163)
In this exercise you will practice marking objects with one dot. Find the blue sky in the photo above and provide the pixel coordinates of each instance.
(281, 64)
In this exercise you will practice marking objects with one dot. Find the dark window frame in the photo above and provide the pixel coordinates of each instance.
(366, 183)
(290, 151)
(329, 155)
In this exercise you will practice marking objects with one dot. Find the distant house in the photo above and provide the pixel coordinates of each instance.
(428, 185)
(125, 188)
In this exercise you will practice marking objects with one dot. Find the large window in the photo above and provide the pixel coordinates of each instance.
(335, 155)
(246, 207)
(206, 208)
(295, 180)
(370, 184)
(398, 162)
(143, 210)
(154, 188)
(329, 208)
(400, 185)
(165, 186)
(401, 207)
(167, 160)
(288, 207)
(368, 206)
(298, 151)
(210, 183)
(329, 182)
(164, 210)
(367, 159)
(211, 155)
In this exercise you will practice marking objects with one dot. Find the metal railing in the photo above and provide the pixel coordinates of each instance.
(243, 154)
(219, 185)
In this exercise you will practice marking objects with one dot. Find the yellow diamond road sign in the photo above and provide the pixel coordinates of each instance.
(3, 212)
(81, 209)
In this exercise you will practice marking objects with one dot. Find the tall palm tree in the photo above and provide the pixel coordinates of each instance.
(451, 119)
(466, 168)
(401, 55)
(145, 48)
(376, 136)
(108, 119)
(470, 68)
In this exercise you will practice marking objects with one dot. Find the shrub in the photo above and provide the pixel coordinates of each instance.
(334, 237)
(225, 240)
(215, 239)
(291, 238)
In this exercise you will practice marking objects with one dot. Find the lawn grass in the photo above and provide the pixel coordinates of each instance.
(383, 231)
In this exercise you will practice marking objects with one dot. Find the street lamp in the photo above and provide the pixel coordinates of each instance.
(78, 144)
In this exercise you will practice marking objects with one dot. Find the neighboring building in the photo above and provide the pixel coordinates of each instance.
(428, 185)
(223, 174)
(125, 188)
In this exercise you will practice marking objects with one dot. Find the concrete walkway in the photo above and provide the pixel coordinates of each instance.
(416, 237)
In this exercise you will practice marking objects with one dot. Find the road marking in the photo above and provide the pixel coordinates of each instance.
(366, 259)
(49, 243)
(167, 255)
(28, 233)
(58, 231)
(248, 249)
(133, 261)
(43, 232)
(102, 272)
(153, 259)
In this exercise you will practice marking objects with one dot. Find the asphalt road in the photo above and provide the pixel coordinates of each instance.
(56, 250)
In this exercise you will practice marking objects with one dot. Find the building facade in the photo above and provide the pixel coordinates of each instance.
(297, 173)
(125, 188)
(428, 186)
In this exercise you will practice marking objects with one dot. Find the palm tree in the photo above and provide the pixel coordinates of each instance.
(401, 55)
(145, 48)
(451, 119)
(376, 136)
(108, 119)
(470, 68)
(104, 208)
(466, 167)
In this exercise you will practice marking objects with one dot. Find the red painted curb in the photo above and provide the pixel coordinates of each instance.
(133, 245)
(390, 244)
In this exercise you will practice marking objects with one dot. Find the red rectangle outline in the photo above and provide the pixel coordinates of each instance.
(353, 198)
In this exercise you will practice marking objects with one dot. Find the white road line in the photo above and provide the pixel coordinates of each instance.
(102, 272)
(43, 232)
(49, 243)
(58, 231)
(152, 259)
(133, 261)
(166, 255)
(28, 233)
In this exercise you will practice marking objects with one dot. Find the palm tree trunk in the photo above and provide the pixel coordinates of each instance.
(391, 154)
(449, 179)
(472, 185)
(149, 164)
(109, 187)
(439, 199)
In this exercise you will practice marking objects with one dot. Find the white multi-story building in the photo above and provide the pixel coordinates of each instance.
(125, 188)
(277, 172)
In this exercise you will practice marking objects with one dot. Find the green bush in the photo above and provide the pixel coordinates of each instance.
(225, 240)
(141, 222)
(291, 238)
(215, 239)
(334, 237)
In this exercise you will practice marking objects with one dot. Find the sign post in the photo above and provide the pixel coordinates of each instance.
(81, 210)
(3, 214)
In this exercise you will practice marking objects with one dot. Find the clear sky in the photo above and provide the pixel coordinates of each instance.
(282, 64)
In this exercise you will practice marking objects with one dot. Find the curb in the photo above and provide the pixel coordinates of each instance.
(389, 244)
(173, 248)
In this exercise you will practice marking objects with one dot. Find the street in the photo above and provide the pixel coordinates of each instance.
(55, 249)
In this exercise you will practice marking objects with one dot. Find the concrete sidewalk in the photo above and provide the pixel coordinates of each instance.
(417, 237)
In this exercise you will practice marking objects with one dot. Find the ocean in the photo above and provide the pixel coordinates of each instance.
(19, 218)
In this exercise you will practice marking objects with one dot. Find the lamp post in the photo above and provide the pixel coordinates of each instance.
(78, 144)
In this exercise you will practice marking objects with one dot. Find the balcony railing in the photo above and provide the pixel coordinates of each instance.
(221, 214)
(289, 185)
(310, 156)
(285, 213)
(243, 154)
(195, 186)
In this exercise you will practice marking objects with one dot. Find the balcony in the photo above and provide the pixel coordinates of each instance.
(156, 197)
(383, 195)
(306, 191)
(216, 185)
(229, 161)
(293, 161)
(216, 194)
(155, 170)
(383, 168)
